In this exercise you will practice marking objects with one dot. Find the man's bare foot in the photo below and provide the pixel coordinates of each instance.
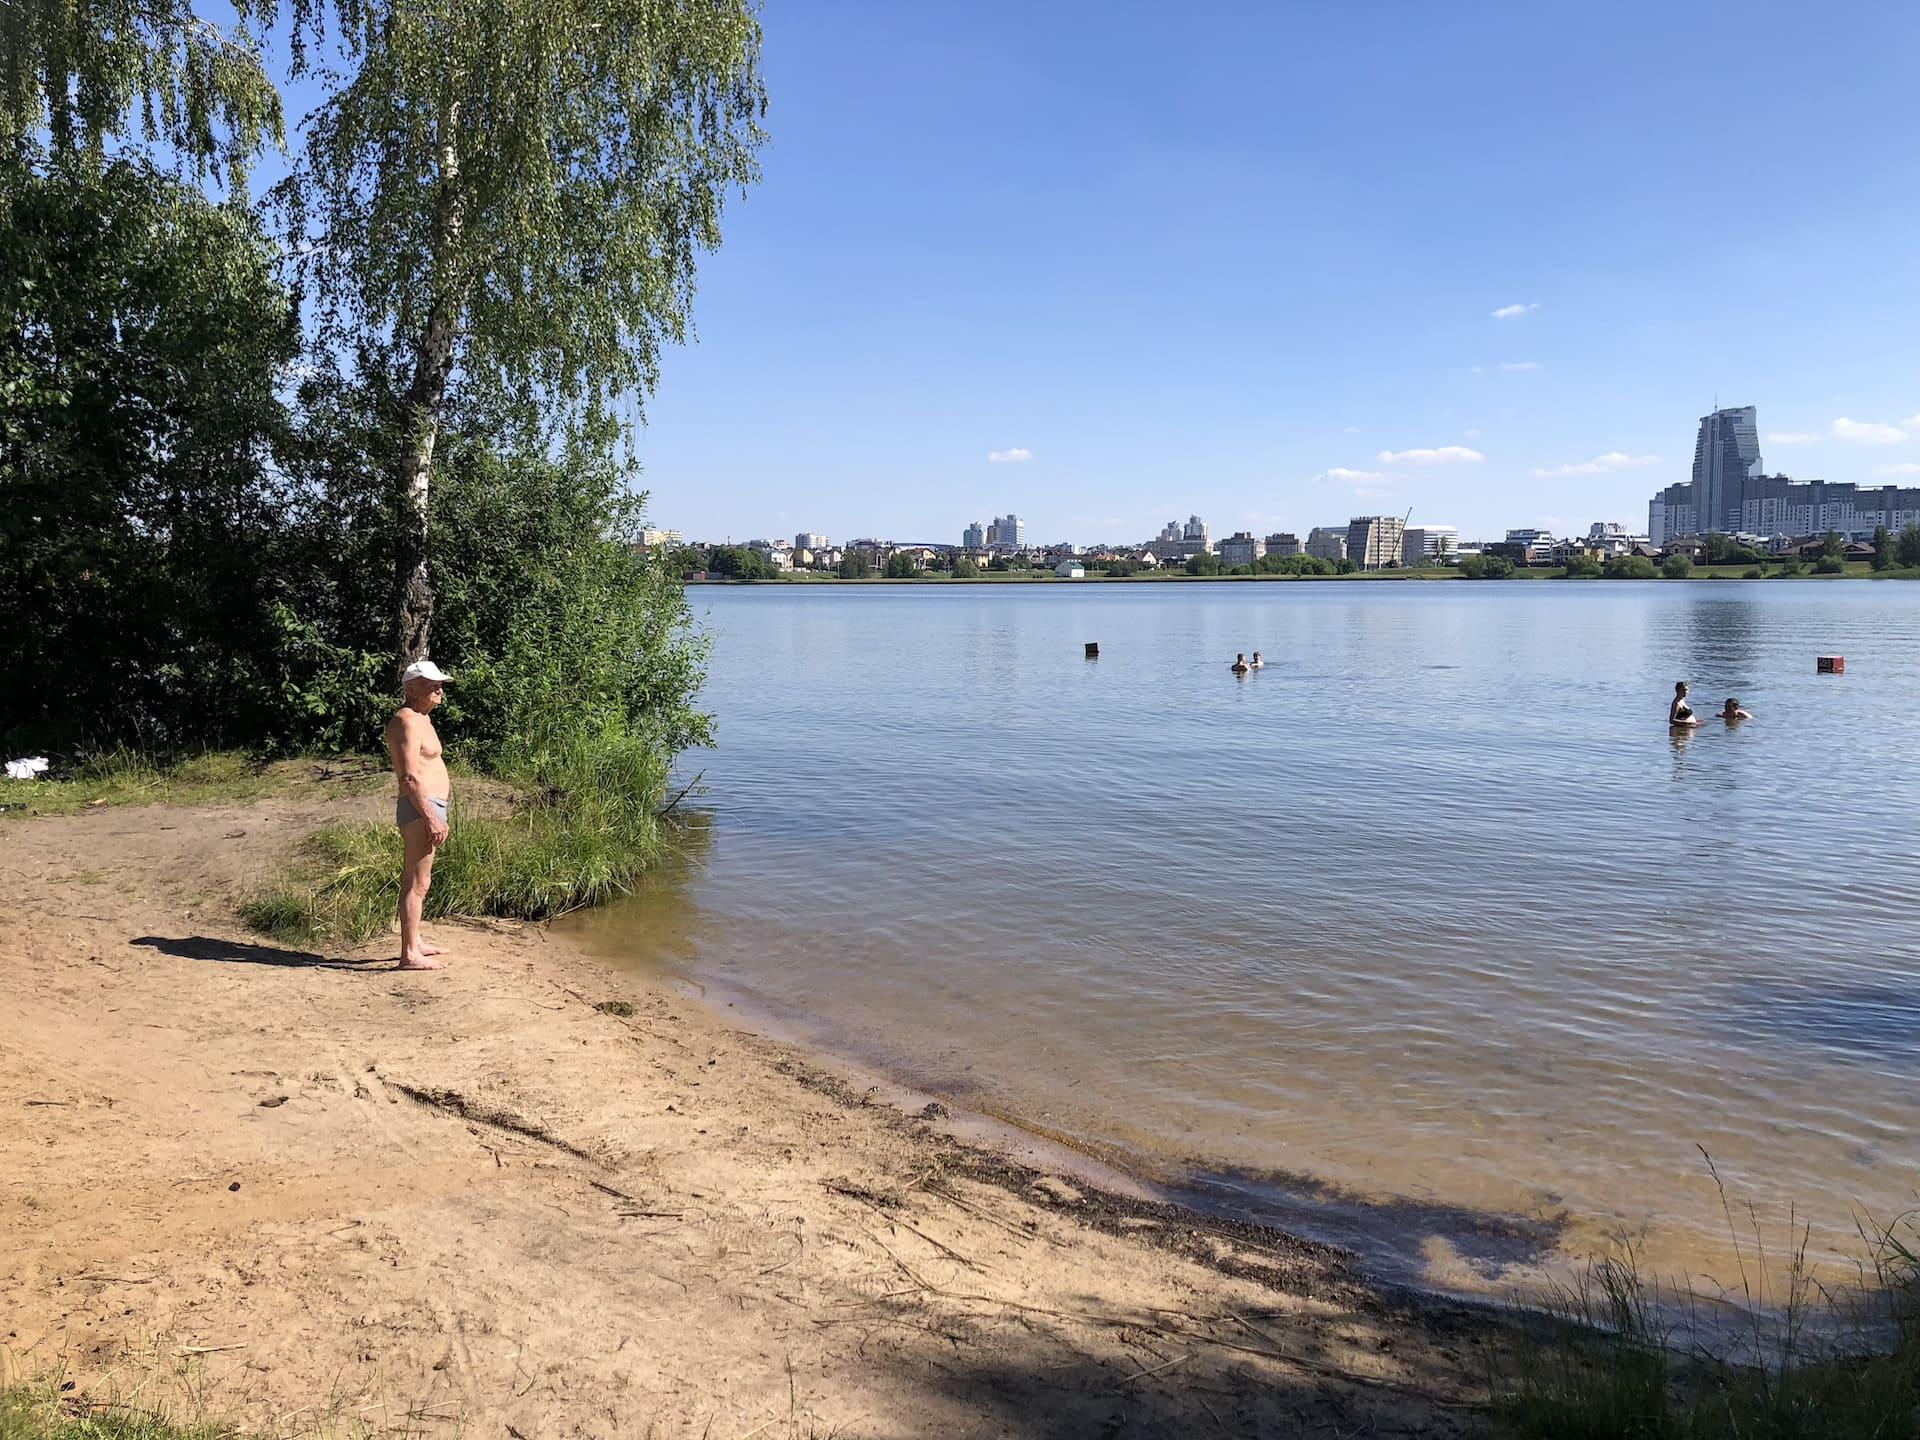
(422, 962)
(426, 949)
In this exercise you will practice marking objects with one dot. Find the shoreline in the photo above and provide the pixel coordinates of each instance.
(1302, 1207)
(478, 1197)
(1041, 577)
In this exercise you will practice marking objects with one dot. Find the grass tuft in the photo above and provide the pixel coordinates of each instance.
(36, 1411)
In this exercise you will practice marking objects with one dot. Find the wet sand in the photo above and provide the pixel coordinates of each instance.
(297, 1190)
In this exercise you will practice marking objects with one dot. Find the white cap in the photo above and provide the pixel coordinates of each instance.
(423, 670)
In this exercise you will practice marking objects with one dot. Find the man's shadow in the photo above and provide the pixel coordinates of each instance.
(205, 947)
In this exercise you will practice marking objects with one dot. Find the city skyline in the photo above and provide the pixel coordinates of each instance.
(1092, 267)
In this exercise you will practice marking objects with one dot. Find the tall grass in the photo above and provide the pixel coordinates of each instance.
(1807, 1363)
(584, 826)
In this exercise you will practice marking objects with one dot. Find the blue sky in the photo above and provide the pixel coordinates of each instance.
(1226, 258)
(1281, 265)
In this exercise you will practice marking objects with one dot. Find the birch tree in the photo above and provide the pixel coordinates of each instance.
(77, 74)
(512, 196)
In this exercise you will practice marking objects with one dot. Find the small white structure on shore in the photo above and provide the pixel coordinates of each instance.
(1070, 570)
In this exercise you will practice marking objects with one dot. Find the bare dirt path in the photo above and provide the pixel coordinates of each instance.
(300, 1192)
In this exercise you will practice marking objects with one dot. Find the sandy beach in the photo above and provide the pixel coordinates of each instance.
(302, 1192)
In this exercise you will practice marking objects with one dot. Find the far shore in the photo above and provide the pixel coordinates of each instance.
(1854, 571)
(287, 1190)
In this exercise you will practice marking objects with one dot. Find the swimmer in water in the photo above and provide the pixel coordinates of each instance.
(1240, 666)
(1680, 713)
(1258, 663)
(1733, 713)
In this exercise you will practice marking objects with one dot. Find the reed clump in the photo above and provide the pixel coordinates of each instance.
(1805, 1363)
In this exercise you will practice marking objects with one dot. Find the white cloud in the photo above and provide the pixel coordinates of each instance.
(1479, 370)
(1520, 367)
(1911, 424)
(1791, 437)
(1009, 457)
(1445, 455)
(1340, 475)
(1910, 468)
(1867, 432)
(1513, 312)
(1600, 464)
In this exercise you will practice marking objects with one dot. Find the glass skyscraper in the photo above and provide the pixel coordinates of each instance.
(1725, 456)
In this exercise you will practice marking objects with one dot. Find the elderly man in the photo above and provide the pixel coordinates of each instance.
(421, 809)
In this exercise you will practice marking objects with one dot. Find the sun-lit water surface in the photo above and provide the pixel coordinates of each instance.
(1429, 938)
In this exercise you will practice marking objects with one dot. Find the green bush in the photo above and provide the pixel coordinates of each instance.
(1829, 565)
(737, 562)
(1676, 566)
(143, 337)
(1205, 563)
(206, 560)
(1583, 567)
(1630, 567)
(1294, 565)
(1487, 567)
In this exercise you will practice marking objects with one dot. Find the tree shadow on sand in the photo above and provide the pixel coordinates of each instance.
(1026, 1383)
(205, 947)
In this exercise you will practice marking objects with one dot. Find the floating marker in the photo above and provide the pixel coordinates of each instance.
(1832, 664)
(1093, 651)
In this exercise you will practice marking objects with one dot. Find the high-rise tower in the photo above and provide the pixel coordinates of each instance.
(1724, 457)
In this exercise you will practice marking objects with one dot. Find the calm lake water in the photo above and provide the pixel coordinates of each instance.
(1429, 938)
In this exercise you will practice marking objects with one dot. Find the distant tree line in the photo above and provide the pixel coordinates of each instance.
(1207, 562)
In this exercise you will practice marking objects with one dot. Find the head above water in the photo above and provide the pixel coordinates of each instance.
(1679, 687)
(1731, 706)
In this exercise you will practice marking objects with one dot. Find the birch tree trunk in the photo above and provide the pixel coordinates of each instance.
(426, 403)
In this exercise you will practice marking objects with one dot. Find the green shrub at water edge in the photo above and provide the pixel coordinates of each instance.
(584, 828)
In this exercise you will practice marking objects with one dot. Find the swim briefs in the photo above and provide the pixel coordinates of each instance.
(404, 814)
